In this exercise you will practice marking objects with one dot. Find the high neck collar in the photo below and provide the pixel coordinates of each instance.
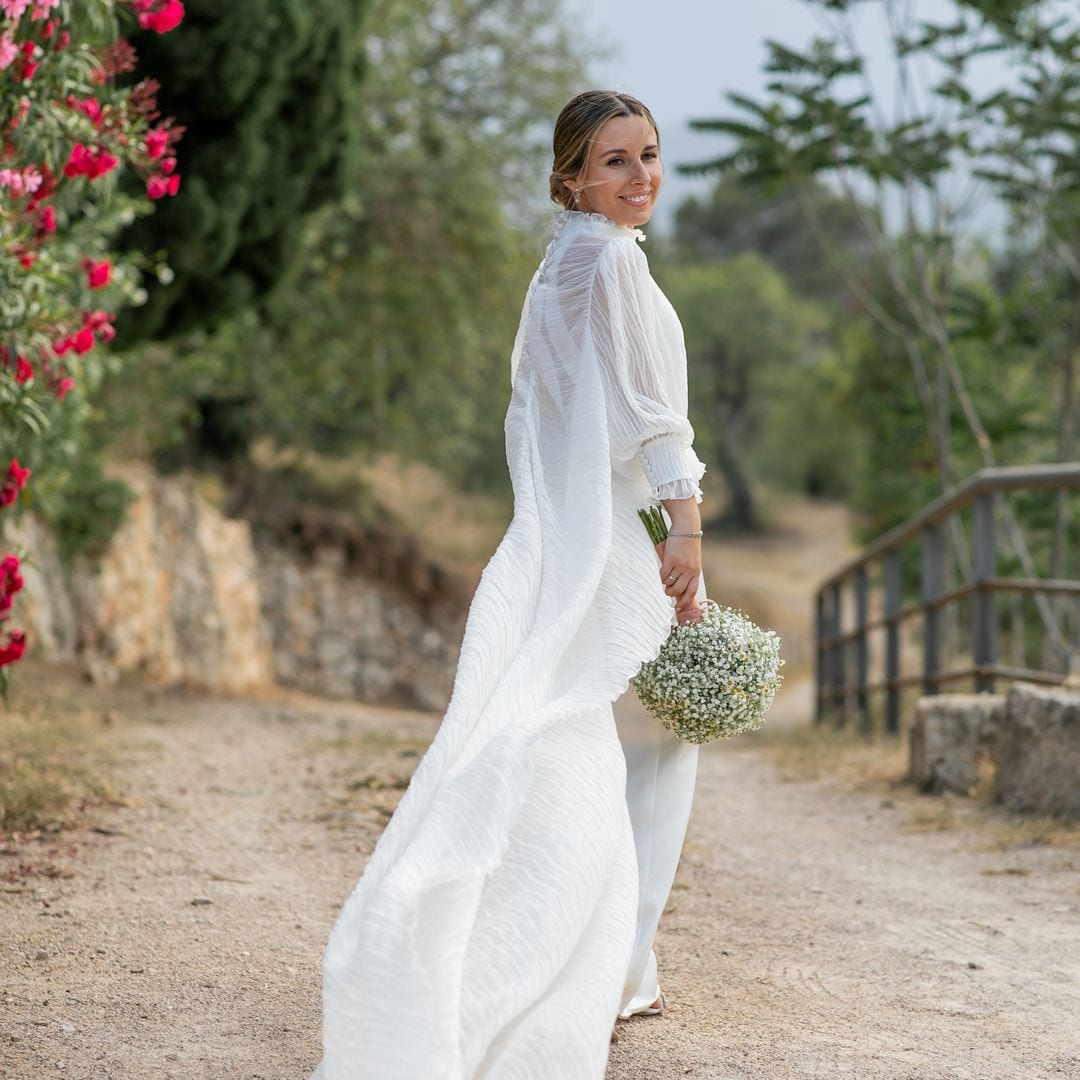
(577, 221)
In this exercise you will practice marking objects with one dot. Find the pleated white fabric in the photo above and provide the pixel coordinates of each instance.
(490, 935)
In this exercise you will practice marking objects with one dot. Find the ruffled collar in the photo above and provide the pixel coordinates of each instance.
(579, 221)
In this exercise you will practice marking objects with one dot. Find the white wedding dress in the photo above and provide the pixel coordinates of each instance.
(507, 913)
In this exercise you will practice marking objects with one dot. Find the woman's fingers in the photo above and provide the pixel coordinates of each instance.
(690, 614)
(688, 593)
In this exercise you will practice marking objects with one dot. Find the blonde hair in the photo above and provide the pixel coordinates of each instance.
(575, 131)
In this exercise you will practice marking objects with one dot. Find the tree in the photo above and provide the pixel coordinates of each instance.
(742, 215)
(268, 92)
(748, 341)
(823, 119)
(394, 331)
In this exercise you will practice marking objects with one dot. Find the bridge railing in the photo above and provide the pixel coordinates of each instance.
(878, 636)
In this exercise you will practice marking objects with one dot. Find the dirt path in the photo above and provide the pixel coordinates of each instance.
(811, 932)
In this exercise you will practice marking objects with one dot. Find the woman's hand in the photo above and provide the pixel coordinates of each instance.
(680, 574)
(680, 559)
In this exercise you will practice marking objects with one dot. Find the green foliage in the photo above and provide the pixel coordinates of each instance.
(755, 365)
(268, 93)
(960, 346)
(393, 331)
(740, 215)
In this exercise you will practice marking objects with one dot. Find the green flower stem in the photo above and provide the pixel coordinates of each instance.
(654, 523)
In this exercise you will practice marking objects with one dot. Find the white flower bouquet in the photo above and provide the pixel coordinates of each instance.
(714, 678)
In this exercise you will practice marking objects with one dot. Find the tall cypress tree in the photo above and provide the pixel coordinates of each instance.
(268, 93)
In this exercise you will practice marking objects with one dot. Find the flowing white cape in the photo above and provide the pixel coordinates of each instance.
(490, 933)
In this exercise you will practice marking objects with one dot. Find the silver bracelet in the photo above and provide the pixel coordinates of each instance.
(693, 535)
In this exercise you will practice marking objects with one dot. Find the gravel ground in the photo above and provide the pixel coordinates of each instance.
(812, 931)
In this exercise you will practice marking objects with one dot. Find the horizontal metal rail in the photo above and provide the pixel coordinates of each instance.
(842, 652)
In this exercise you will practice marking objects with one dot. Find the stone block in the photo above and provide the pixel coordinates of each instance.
(1038, 751)
(952, 735)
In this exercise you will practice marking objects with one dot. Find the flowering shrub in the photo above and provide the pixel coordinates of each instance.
(68, 133)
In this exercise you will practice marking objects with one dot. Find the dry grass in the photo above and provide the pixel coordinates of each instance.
(54, 762)
(878, 764)
(855, 762)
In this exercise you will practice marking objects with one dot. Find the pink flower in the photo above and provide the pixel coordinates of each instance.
(99, 274)
(13, 9)
(161, 16)
(42, 8)
(156, 142)
(8, 50)
(63, 386)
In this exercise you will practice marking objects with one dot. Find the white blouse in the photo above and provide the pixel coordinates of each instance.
(593, 305)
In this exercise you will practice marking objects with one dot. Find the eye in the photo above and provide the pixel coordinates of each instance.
(616, 161)
(650, 155)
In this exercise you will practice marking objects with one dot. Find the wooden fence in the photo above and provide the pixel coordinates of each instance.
(850, 673)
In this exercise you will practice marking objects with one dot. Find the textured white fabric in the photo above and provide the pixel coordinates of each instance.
(490, 935)
(660, 774)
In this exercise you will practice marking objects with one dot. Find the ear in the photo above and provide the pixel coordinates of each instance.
(571, 185)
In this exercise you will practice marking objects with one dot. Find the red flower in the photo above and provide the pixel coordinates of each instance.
(159, 186)
(101, 323)
(86, 162)
(63, 386)
(14, 649)
(24, 371)
(99, 274)
(160, 16)
(90, 108)
(156, 142)
(13, 483)
(47, 220)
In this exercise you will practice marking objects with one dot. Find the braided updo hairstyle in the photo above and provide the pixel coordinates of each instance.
(575, 131)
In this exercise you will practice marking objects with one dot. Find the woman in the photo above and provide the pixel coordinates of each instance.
(505, 917)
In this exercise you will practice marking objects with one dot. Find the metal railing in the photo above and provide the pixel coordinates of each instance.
(843, 655)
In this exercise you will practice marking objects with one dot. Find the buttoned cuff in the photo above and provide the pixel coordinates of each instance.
(672, 467)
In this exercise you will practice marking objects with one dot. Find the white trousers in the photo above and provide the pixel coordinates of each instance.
(660, 775)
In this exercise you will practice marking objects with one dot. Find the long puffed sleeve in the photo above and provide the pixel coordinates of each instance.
(638, 345)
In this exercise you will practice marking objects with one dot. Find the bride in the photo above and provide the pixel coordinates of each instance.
(507, 914)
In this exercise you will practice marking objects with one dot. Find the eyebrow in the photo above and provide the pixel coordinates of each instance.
(651, 146)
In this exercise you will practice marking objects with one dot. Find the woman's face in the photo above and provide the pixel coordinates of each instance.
(623, 175)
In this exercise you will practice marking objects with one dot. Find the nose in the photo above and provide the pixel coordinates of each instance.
(639, 174)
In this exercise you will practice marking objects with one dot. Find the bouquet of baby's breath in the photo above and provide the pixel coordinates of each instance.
(714, 678)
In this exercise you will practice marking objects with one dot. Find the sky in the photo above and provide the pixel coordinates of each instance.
(681, 57)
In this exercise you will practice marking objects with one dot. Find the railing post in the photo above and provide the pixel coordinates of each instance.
(862, 667)
(984, 605)
(836, 656)
(893, 601)
(933, 578)
(820, 666)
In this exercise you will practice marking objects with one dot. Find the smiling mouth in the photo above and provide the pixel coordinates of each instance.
(636, 200)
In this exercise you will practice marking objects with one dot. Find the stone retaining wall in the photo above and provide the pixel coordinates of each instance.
(1022, 748)
(186, 595)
